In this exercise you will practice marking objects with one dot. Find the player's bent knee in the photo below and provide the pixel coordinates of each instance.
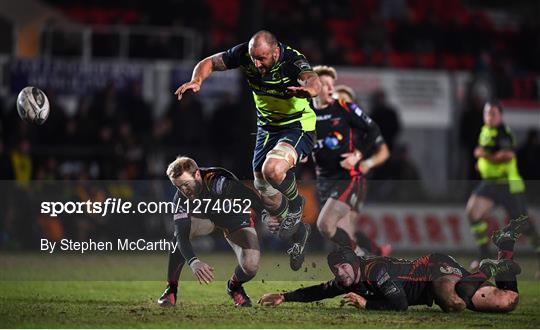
(326, 228)
(250, 267)
(283, 152)
(274, 171)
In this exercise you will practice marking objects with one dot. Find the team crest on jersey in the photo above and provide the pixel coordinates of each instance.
(335, 121)
(450, 270)
(333, 140)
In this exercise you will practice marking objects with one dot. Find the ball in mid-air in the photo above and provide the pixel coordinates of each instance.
(33, 105)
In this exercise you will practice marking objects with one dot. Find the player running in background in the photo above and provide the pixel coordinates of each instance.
(281, 79)
(192, 219)
(501, 185)
(384, 283)
(345, 133)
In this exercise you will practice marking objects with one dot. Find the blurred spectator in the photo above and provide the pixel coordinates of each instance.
(21, 162)
(6, 169)
(224, 139)
(187, 119)
(136, 110)
(386, 117)
(470, 124)
(399, 178)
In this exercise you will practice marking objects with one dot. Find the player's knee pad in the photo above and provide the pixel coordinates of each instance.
(284, 152)
(264, 187)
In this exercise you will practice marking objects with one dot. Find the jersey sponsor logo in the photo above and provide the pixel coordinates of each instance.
(324, 117)
(303, 65)
(383, 278)
(333, 140)
(218, 185)
(450, 270)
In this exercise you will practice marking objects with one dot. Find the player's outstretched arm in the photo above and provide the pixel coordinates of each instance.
(311, 293)
(202, 70)
(202, 271)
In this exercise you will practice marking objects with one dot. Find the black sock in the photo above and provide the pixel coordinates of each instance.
(367, 244)
(239, 277)
(507, 283)
(176, 262)
(468, 285)
(289, 189)
(484, 251)
(342, 239)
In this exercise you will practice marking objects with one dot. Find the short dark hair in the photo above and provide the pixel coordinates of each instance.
(180, 165)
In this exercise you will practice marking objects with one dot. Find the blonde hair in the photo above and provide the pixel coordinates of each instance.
(181, 165)
(324, 70)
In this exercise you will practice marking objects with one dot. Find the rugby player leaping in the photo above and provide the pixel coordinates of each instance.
(281, 80)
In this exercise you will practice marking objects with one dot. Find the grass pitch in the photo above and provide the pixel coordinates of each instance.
(120, 291)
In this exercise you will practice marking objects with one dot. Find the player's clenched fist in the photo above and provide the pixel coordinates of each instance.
(271, 299)
(192, 85)
(203, 272)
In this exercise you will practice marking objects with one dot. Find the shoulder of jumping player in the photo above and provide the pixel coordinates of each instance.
(236, 56)
(295, 62)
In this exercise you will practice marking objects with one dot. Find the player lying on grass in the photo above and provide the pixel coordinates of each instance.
(228, 201)
(384, 283)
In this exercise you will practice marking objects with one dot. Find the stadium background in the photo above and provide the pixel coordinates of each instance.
(422, 69)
